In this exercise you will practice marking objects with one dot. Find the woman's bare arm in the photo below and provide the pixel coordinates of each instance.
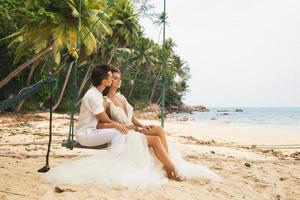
(136, 122)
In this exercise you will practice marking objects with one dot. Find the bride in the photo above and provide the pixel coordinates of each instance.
(129, 162)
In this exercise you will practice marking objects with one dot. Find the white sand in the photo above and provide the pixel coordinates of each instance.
(225, 149)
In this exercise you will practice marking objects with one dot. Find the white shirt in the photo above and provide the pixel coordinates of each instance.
(91, 105)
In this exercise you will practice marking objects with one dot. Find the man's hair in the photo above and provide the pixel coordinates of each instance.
(100, 73)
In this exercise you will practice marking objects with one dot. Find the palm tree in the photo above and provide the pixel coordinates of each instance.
(56, 29)
(158, 70)
(123, 20)
(143, 57)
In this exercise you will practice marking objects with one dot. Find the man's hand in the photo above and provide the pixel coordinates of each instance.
(98, 125)
(122, 128)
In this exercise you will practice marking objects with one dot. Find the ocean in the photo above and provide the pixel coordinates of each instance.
(248, 116)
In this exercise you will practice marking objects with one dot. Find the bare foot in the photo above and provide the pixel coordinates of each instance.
(172, 174)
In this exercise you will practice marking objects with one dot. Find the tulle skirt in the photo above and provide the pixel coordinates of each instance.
(128, 163)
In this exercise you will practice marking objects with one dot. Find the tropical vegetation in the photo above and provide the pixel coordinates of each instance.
(36, 37)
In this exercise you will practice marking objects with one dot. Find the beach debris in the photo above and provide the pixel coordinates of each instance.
(278, 154)
(266, 151)
(212, 152)
(247, 164)
(14, 193)
(193, 140)
(61, 190)
(192, 157)
(58, 190)
(25, 124)
(296, 155)
(184, 118)
(218, 167)
(278, 197)
(282, 179)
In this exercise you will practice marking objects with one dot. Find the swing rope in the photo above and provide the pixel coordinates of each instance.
(26, 92)
(74, 56)
(75, 53)
(164, 77)
(72, 59)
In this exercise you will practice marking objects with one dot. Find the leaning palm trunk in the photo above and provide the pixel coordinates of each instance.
(112, 55)
(79, 101)
(85, 80)
(20, 104)
(153, 89)
(64, 87)
(34, 59)
(132, 85)
(158, 100)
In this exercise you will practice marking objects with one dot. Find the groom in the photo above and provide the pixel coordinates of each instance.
(92, 111)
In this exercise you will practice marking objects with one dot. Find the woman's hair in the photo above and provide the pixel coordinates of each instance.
(100, 73)
(113, 70)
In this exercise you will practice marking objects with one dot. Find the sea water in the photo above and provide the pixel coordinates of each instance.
(249, 116)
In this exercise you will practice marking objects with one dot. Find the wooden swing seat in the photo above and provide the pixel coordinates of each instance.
(77, 145)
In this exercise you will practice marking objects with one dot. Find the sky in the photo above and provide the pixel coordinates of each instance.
(240, 52)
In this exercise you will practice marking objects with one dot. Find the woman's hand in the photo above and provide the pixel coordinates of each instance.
(132, 127)
(147, 128)
(121, 127)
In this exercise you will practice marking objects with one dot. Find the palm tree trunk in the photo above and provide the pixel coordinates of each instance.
(20, 104)
(132, 85)
(34, 59)
(64, 87)
(153, 89)
(84, 81)
(78, 102)
(158, 100)
(112, 55)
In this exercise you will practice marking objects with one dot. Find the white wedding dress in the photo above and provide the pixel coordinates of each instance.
(128, 163)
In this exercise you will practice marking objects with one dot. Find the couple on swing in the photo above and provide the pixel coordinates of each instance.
(139, 155)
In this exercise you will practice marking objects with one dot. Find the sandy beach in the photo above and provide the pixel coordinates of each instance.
(250, 161)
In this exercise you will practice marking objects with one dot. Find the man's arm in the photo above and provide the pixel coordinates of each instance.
(106, 122)
(105, 125)
(103, 117)
(115, 125)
